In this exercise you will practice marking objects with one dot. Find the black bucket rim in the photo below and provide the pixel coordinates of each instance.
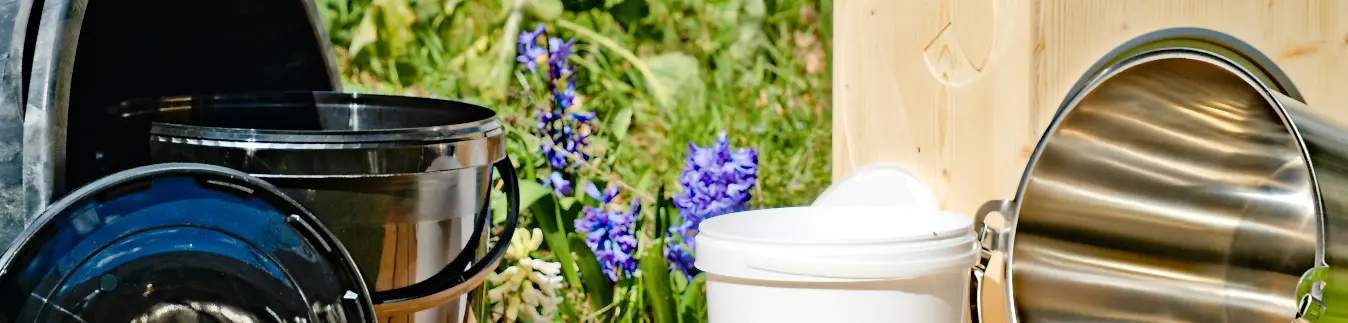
(480, 122)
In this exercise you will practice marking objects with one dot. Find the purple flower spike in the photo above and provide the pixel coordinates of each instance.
(564, 130)
(716, 180)
(608, 233)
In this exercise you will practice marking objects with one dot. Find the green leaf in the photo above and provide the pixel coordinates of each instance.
(655, 277)
(427, 9)
(547, 215)
(395, 23)
(694, 300)
(596, 283)
(567, 202)
(582, 5)
(620, 123)
(749, 36)
(631, 304)
(680, 282)
(571, 211)
(638, 304)
(496, 71)
(530, 193)
(366, 34)
(544, 9)
(598, 141)
(680, 77)
(629, 13)
(450, 5)
(644, 183)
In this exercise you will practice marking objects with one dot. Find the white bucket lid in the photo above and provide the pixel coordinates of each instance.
(879, 185)
(821, 243)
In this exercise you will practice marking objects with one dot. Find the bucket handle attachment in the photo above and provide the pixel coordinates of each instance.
(457, 277)
(990, 240)
(1311, 303)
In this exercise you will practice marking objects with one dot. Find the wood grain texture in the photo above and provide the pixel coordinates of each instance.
(959, 91)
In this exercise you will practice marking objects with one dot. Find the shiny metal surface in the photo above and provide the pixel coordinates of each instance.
(13, 29)
(1327, 145)
(44, 121)
(1175, 185)
(1172, 192)
(304, 134)
(180, 243)
(400, 229)
(398, 179)
(146, 49)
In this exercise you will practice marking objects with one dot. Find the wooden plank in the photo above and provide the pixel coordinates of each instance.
(908, 89)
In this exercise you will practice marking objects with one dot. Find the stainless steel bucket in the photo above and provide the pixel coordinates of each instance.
(403, 182)
(1180, 181)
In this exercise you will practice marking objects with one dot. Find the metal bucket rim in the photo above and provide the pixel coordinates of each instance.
(483, 124)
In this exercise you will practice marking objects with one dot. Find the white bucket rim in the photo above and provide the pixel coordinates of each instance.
(953, 225)
(924, 242)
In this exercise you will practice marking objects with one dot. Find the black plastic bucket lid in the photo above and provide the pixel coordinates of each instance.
(179, 242)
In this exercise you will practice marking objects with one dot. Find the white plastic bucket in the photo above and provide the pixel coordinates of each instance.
(837, 264)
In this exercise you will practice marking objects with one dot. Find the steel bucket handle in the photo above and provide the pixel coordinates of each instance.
(990, 240)
(454, 279)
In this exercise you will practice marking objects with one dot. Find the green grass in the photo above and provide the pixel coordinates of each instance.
(755, 69)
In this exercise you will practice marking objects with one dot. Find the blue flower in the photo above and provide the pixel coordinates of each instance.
(560, 72)
(608, 232)
(559, 185)
(679, 250)
(716, 180)
(563, 128)
(559, 52)
(582, 116)
(605, 197)
(529, 52)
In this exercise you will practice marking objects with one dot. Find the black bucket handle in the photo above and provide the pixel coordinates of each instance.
(458, 271)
